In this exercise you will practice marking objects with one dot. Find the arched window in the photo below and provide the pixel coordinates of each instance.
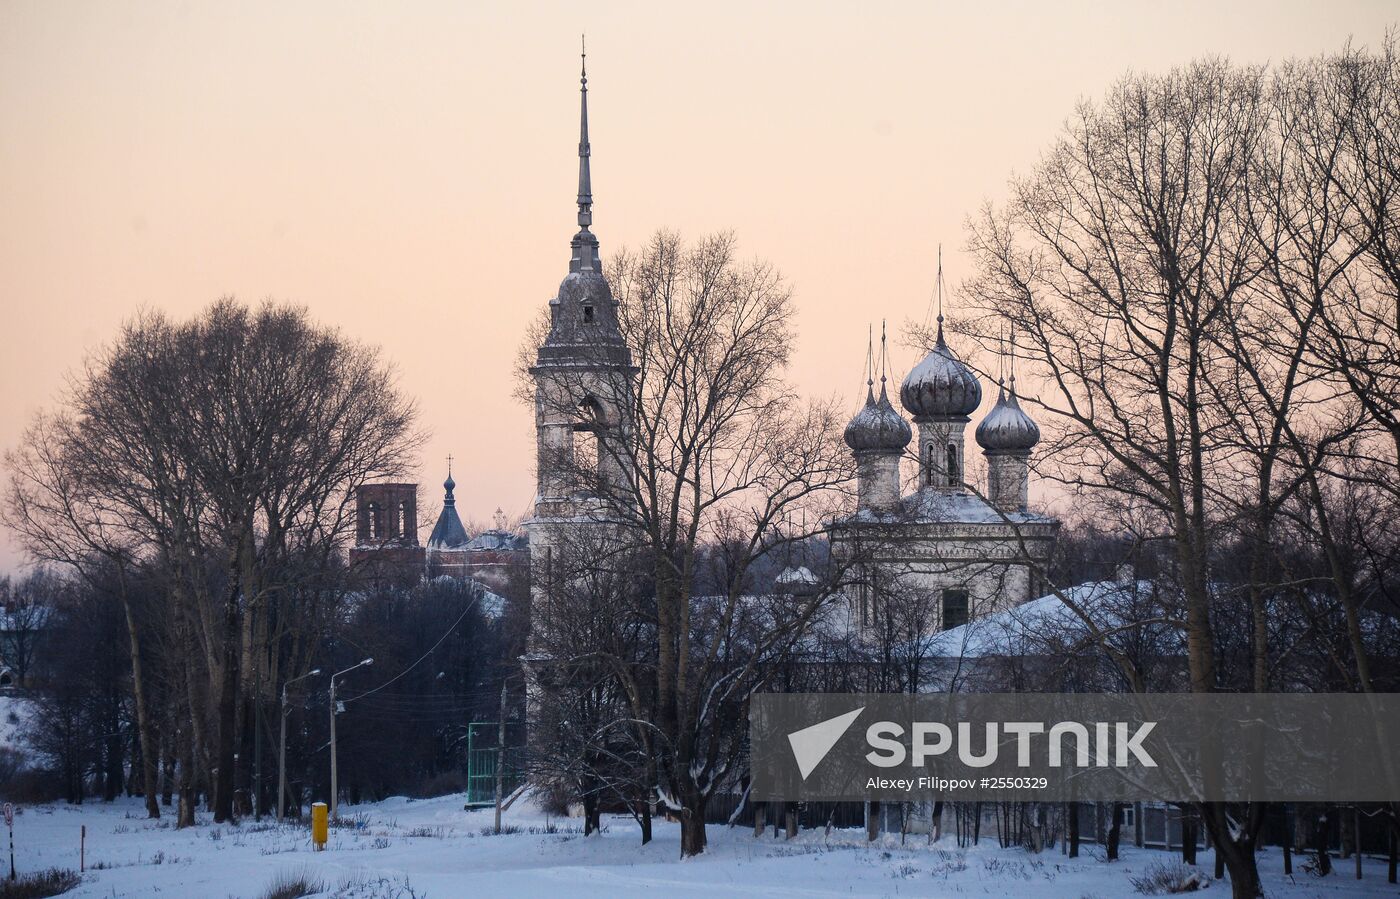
(588, 443)
(375, 524)
(954, 476)
(401, 528)
(955, 608)
(930, 468)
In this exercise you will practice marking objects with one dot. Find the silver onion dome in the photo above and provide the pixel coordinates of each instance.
(940, 386)
(1007, 428)
(878, 426)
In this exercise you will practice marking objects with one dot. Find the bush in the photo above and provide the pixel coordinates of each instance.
(293, 884)
(444, 784)
(52, 882)
(33, 786)
(1162, 879)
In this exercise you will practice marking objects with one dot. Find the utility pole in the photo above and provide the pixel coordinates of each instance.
(334, 784)
(257, 744)
(500, 756)
(282, 743)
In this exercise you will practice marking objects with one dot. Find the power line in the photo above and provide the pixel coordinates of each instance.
(471, 605)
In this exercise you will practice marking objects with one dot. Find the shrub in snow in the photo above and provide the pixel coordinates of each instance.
(293, 883)
(52, 882)
(1165, 878)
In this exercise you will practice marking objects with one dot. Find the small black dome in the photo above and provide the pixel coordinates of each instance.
(877, 426)
(1006, 428)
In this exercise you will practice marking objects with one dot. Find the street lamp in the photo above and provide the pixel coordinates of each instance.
(334, 794)
(282, 743)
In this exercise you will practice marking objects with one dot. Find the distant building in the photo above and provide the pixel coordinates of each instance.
(388, 551)
(487, 558)
(386, 533)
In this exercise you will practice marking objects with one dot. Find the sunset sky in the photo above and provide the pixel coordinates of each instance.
(407, 170)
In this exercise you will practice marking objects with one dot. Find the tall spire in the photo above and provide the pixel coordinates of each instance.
(585, 179)
(939, 289)
(870, 364)
(884, 362)
(585, 245)
(1013, 360)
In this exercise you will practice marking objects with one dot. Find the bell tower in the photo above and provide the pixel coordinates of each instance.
(583, 376)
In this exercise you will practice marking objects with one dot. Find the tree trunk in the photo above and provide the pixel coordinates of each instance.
(228, 719)
(760, 813)
(1287, 843)
(1238, 853)
(1319, 841)
(150, 755)
(591, 815)
(1115, 830)
(790, 819)
(693, 840)
(185, 814)
(112, 779)
(649, 792)
(1394, 856)
(1073, 830)
(872, 820)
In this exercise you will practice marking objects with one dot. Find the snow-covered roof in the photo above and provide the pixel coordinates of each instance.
(28, 619)
(496, 540)
(1041, 623)
(933, 507)
(799, 575)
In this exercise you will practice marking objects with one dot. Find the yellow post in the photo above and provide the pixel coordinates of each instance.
(320, 824)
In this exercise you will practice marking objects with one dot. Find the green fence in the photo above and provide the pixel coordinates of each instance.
(484, 754)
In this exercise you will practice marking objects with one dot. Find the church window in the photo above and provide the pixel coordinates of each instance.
(929, 465)
(954, 476)
(955, 608)
(588, 315)
(401, 527)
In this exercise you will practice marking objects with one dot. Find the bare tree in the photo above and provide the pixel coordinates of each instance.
(1117, 261)
(707, 462)
(223, 450)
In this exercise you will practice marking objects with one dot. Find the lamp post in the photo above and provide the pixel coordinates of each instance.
(282, 743)
(334, 785)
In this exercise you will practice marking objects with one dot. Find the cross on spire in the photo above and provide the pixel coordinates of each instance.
(884, 356)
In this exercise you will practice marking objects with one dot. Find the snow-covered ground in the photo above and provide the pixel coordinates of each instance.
(432, 847)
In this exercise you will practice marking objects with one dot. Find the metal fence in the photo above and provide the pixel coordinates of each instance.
(485, 754)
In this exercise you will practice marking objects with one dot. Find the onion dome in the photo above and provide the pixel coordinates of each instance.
(940, 386)
(448, 533)
(1007, 429)
(877, 427)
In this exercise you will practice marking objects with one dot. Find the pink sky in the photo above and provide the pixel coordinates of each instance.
(407, 171)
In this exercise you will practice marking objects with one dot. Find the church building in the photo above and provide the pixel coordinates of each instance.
(387, 548)
(977, 548)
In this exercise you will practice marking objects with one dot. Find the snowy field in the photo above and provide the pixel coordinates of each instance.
(433, 848)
